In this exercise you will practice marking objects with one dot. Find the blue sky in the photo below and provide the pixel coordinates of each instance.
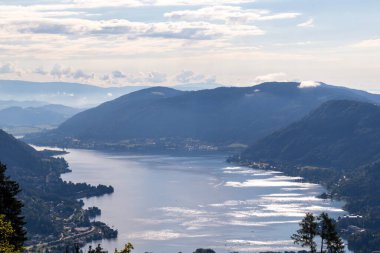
(168, 42)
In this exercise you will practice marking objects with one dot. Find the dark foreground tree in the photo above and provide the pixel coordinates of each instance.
(329, 235)
(11, 207)
(305, 236)
(127, 248)
(325, 227)
(98, 249)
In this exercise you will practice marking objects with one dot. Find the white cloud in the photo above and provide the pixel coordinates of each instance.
(188, 76)
(373, 43)
(10, 69)
(63, 30)
(272, 77)
(80, 74)
(309, 84)
(85, 33)
(104, 29)
(40, 71)
(68, 73)
(119, 77)
(7, 68)
(135, 3)
(68, 7)
(307, 24)
(60, 73)
(228, 14)
(155, 77)
(118, 74)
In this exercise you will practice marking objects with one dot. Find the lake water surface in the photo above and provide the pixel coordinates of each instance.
(166, 204)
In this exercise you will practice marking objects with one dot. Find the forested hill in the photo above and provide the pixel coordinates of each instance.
(340, 134)
(337, 145)
(218, 116)
(48, 201)
(18, 156)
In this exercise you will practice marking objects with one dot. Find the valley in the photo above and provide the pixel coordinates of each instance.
(279, 156)
(179, 126)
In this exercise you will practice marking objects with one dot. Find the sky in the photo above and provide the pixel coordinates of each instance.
(170, 42)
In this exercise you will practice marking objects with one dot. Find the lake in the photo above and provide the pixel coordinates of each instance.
(166, 203)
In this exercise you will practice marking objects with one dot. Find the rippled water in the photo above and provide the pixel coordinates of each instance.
(169, 204)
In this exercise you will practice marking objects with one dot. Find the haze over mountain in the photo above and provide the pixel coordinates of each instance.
(23, 104)
(70, 94)
(221, 116)
(341, 134)
(47, 115)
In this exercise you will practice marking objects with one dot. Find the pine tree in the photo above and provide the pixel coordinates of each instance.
(10, 207)
(323, 229)
(334, 243)
(306, 234)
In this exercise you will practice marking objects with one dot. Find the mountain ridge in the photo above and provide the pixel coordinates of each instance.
(51, 115)
(340, 133)
(220, 116)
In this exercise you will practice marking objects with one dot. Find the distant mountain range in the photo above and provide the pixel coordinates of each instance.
(339, 134)
(220, 116)
(46, 115)
(72, 94)
(23, 104)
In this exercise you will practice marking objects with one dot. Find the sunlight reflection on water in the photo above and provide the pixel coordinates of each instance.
(170, 204)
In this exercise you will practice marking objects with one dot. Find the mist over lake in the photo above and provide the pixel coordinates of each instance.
(168, 203)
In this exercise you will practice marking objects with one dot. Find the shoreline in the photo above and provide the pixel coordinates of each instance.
(78, 228)
(343, 223)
